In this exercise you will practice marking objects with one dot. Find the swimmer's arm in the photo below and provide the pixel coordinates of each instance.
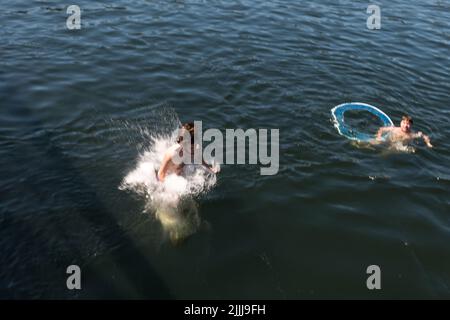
(425, 138)
(383, 130)
(164, 166)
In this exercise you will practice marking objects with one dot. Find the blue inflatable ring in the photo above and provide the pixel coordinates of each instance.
(339, 122)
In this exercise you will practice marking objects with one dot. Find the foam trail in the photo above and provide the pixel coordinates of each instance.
(172, 201)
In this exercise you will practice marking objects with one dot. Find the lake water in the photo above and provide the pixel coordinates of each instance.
(78, 109)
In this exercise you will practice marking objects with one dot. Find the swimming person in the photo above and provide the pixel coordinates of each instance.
(169, 182)
(402, 134)
(168, 164)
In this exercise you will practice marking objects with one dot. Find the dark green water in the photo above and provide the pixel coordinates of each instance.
(74, 106)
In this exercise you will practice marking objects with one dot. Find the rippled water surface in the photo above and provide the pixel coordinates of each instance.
(78, 108)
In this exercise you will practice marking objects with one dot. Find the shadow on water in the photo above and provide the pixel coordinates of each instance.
(61, 222)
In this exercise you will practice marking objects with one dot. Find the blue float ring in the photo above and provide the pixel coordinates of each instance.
(339, 122)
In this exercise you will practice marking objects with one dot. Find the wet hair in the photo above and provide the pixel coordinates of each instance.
(187, 127)
(407, 118)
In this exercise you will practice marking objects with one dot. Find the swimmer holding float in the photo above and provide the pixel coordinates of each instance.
(402, 134)
(169, 165)
(387, 133)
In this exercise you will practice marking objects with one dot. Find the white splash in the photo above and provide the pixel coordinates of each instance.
(172, 201)
(400, 147)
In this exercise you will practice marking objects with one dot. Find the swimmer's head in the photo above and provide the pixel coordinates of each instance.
(186, 131)
(406, 123)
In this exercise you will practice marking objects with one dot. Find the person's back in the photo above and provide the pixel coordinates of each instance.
(168, 164)
(174, 156)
